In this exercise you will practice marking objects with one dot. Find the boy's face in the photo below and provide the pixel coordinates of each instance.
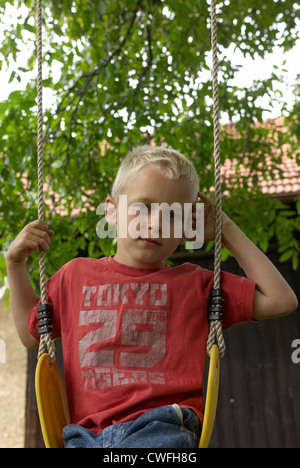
(149, 244)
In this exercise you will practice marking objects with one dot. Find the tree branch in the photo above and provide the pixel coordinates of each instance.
(99, 69)
(89, 78)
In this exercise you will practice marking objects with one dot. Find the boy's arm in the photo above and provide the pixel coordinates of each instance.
(22, 295)
(273, 297)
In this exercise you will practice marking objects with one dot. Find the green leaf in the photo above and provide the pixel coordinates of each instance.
(286, 255)
(295, 262)
(29, 27)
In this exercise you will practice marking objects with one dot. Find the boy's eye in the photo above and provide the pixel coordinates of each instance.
(174, 215)
(141, 207)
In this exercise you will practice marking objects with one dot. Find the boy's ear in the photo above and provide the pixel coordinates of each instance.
(111, 210)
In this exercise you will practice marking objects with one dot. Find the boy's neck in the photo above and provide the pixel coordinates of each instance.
(130, 262)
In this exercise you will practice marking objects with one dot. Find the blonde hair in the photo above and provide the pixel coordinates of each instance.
(172, 163)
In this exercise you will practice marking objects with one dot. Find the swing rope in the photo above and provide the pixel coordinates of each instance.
(44, 310)
(216, 333)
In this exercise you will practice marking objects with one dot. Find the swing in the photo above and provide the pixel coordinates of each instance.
(50, 394)
(51, 402)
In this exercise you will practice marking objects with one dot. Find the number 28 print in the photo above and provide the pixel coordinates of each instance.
(139, 328)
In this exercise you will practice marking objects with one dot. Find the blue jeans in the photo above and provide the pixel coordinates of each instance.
(166, 427)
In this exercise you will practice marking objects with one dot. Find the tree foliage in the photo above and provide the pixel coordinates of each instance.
(122, 73)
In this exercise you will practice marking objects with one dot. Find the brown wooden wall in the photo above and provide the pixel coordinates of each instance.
(259, 399)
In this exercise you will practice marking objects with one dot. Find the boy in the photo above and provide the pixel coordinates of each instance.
(134, 329)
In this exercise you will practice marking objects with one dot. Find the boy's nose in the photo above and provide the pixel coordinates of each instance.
(155, 223)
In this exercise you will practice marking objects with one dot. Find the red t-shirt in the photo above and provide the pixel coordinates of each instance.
(135, 339)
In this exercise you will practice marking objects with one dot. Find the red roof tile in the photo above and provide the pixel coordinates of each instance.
(279, 179)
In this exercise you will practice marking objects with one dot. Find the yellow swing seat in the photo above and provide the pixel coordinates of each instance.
(53, 407)
(51, 401)
(211, 397)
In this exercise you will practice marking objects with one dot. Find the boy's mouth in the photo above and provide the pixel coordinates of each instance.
(149, 241)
